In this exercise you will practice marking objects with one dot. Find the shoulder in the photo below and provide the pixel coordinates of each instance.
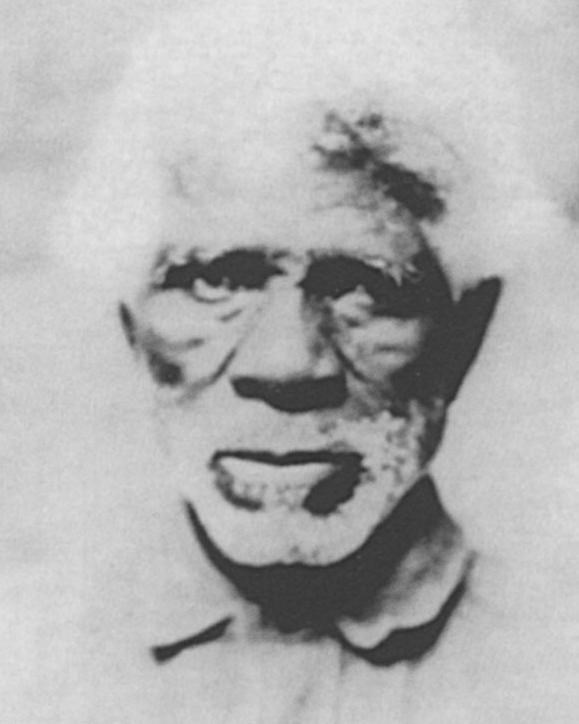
(507, 656)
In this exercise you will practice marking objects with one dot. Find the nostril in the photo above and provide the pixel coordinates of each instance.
(246, 387)
(298, 395)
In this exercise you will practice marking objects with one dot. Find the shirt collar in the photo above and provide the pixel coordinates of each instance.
(196, 604)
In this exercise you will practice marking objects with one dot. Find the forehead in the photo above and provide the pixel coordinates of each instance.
(290, 223)
(200, 83)
(268, 187)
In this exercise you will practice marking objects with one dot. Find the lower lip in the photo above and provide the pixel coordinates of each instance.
(317, 487)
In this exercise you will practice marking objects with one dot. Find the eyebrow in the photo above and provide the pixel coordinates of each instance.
(420, 265)
(178, 255)
(176, 268)
(197, 258)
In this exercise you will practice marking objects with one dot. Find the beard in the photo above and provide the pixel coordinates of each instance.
(299, 515)
(295, 597)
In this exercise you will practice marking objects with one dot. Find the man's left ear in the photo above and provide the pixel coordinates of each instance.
(461, 337)
(453, 345)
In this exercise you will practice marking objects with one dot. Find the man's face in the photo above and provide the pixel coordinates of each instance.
(286, 307)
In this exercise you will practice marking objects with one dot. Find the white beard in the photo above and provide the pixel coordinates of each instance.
(279, 529)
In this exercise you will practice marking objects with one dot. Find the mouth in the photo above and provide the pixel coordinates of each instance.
(315, 481)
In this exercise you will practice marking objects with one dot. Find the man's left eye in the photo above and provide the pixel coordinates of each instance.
(359, 289)
(219, 279)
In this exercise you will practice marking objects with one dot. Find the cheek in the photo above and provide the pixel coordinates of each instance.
(383, 347)
(187, 343)
(177, 320)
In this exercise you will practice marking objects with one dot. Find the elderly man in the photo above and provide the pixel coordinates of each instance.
(292, 209)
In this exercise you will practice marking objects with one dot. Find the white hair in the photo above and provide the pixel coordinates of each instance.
(207, 80)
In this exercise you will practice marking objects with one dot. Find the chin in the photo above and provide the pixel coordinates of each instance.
(311, 508)
(294, 534)
(278, 522)
(300, 594)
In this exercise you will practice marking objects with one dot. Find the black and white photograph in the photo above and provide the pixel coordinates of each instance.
(289, 370)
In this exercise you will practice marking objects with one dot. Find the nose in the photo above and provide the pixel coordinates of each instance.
(285, 361)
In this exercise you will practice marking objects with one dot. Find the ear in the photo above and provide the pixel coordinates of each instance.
(463, 333)
(453, 345)
(128, 324)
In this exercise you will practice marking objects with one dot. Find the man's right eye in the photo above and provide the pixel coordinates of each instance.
(221, 278)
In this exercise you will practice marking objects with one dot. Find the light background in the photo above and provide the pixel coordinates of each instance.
(510, 466)
(58, 58)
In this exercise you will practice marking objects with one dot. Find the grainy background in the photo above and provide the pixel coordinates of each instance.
(58, 58)
(510, 460)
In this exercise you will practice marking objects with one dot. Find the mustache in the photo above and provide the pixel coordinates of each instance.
(298, 441)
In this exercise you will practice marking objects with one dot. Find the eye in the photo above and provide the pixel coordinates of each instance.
(221, 278)
(333, 277)
(209, 293)
(357, 289)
